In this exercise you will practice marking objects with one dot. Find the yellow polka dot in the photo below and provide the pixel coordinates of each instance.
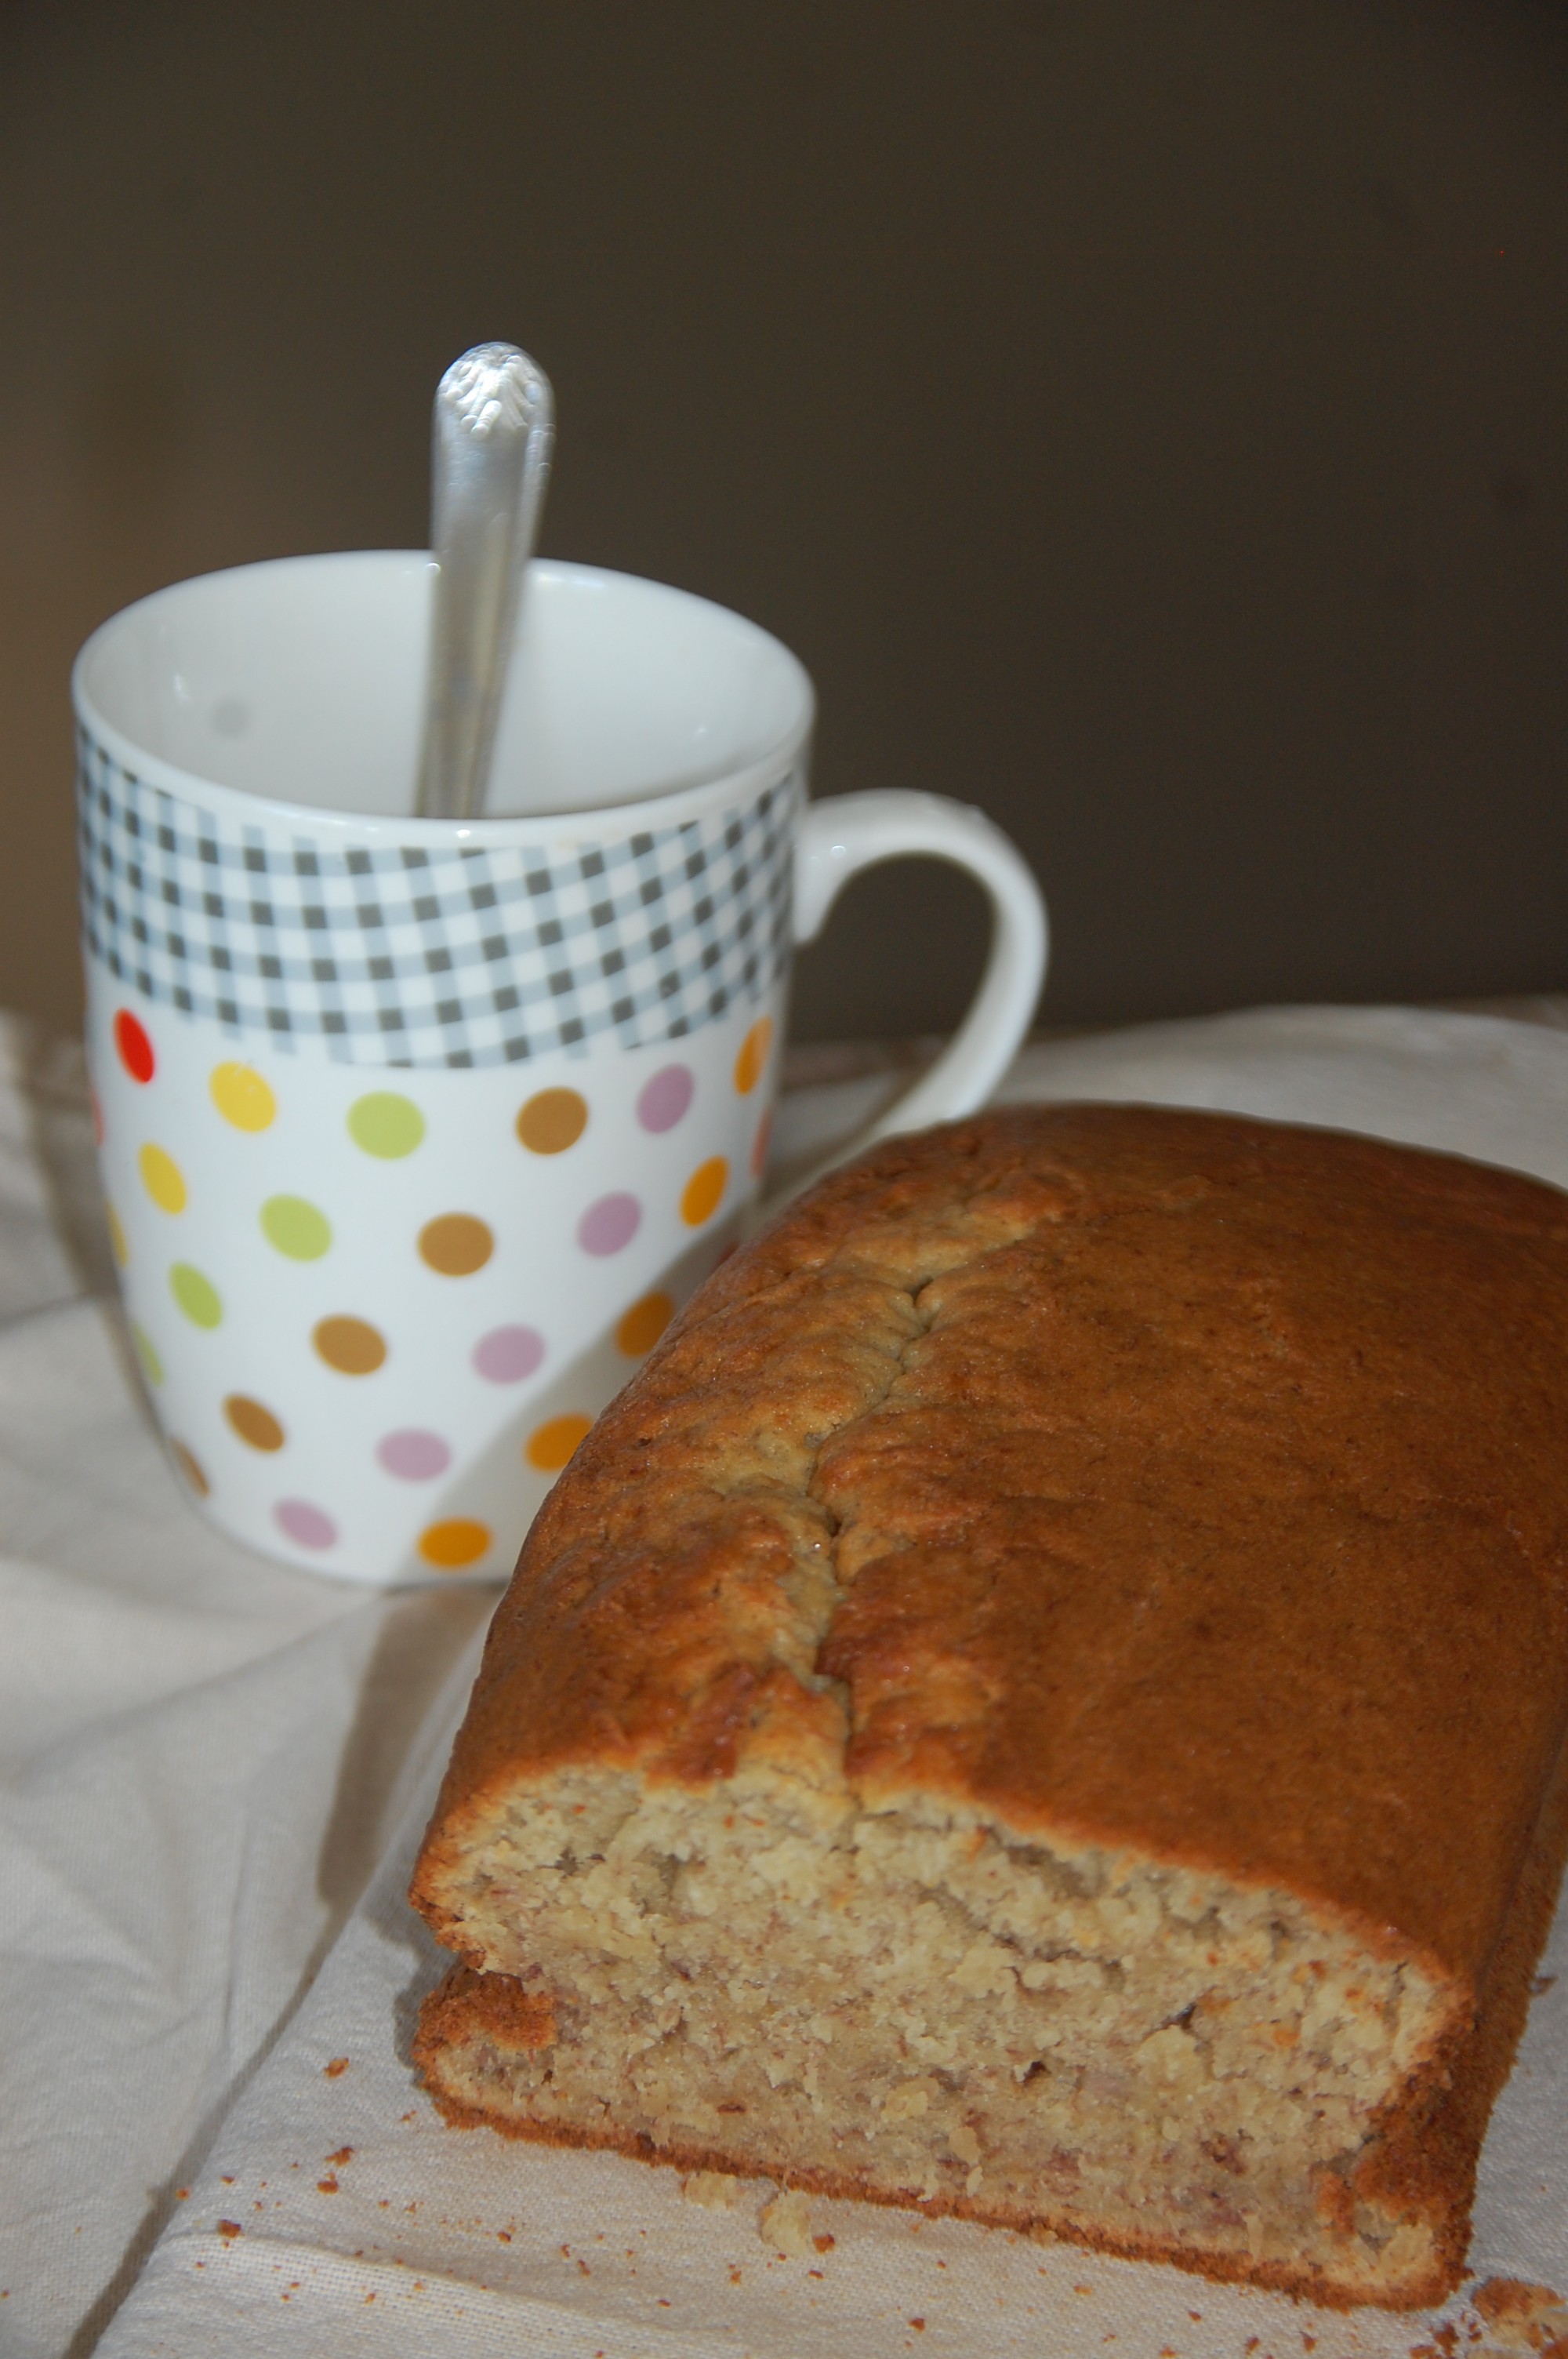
(550, 1445)
(122, 1251)
(754, 1056)
(458, 1541)
(700, 1197)
(644, 1325)
(243, 1097)
(163, 1178)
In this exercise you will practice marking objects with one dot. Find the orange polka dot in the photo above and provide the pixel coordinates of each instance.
(253, 1423)
(454, 1543)
(552, 1121)
(760, 1145)
(550, 1445)
(753, 1055)
(456, 1244)
(644, 1325)
(189, 1466)
(700, 1197)
(353, 1346)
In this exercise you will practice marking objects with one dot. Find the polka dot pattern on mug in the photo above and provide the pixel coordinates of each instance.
(308, 1525)
(552, 1121)
(751, 1062)
(191, 1468)
(307, 1211)
(508, 1355)
(703, 1192)
(133, 1046)
(414, 1455)
(387, 1125)
(610, 1225)
(456, 1245)
(196, 1295)
(550, 1445)
(663, 1101)
(350, 1345)
(643, 1325)
(243, 1097)
(454, 1543)
(163, 1180)
(296, 1227)
(254, 1422)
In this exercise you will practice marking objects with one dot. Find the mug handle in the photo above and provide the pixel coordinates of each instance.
(839, 837)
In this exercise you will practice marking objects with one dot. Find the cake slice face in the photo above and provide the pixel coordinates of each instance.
(918, 2006)
(978, 1723)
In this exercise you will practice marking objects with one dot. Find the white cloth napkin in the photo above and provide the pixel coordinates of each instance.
(196, 1751)
(201, 1753)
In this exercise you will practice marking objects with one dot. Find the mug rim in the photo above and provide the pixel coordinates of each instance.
(605, 819)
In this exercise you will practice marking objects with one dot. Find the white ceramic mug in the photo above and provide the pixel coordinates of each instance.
(414, 1133)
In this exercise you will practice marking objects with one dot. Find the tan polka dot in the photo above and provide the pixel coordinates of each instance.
(117, 1236)
(254, 1423)
(458, 1541)
(644, 1325)
(753, 1055)
(353, 1346)
(189, 1466)
(456, 1244)
(700, 1197)
(550, 1445)
(552, 1121)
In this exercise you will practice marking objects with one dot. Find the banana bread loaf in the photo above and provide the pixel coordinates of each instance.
(1045, 1699)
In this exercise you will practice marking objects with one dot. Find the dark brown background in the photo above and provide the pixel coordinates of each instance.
(1146, 420)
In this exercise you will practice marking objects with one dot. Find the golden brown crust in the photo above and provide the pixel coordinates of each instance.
(1294, 1399)
(1203, 1494)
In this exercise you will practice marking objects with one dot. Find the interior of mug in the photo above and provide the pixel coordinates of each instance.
(304, 680)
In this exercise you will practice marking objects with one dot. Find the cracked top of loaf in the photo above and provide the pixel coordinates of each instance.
(1162, 1480)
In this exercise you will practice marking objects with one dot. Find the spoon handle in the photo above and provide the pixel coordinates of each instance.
(492, 437)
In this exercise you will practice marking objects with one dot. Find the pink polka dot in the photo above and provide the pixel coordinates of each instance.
(665, 1098)
(307, 1524)
(608, 1225)
(507, 1355)
(414, 1454)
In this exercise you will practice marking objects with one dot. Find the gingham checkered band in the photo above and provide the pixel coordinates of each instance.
(407, 957)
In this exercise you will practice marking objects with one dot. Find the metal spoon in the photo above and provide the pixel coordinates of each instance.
(492, 437)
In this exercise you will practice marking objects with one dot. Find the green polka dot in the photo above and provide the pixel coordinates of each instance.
(295, 1228)
(385, 1124)
(197, 1296)
(152, 1366)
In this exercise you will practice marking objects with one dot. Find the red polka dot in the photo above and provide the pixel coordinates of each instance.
(135, 1049)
